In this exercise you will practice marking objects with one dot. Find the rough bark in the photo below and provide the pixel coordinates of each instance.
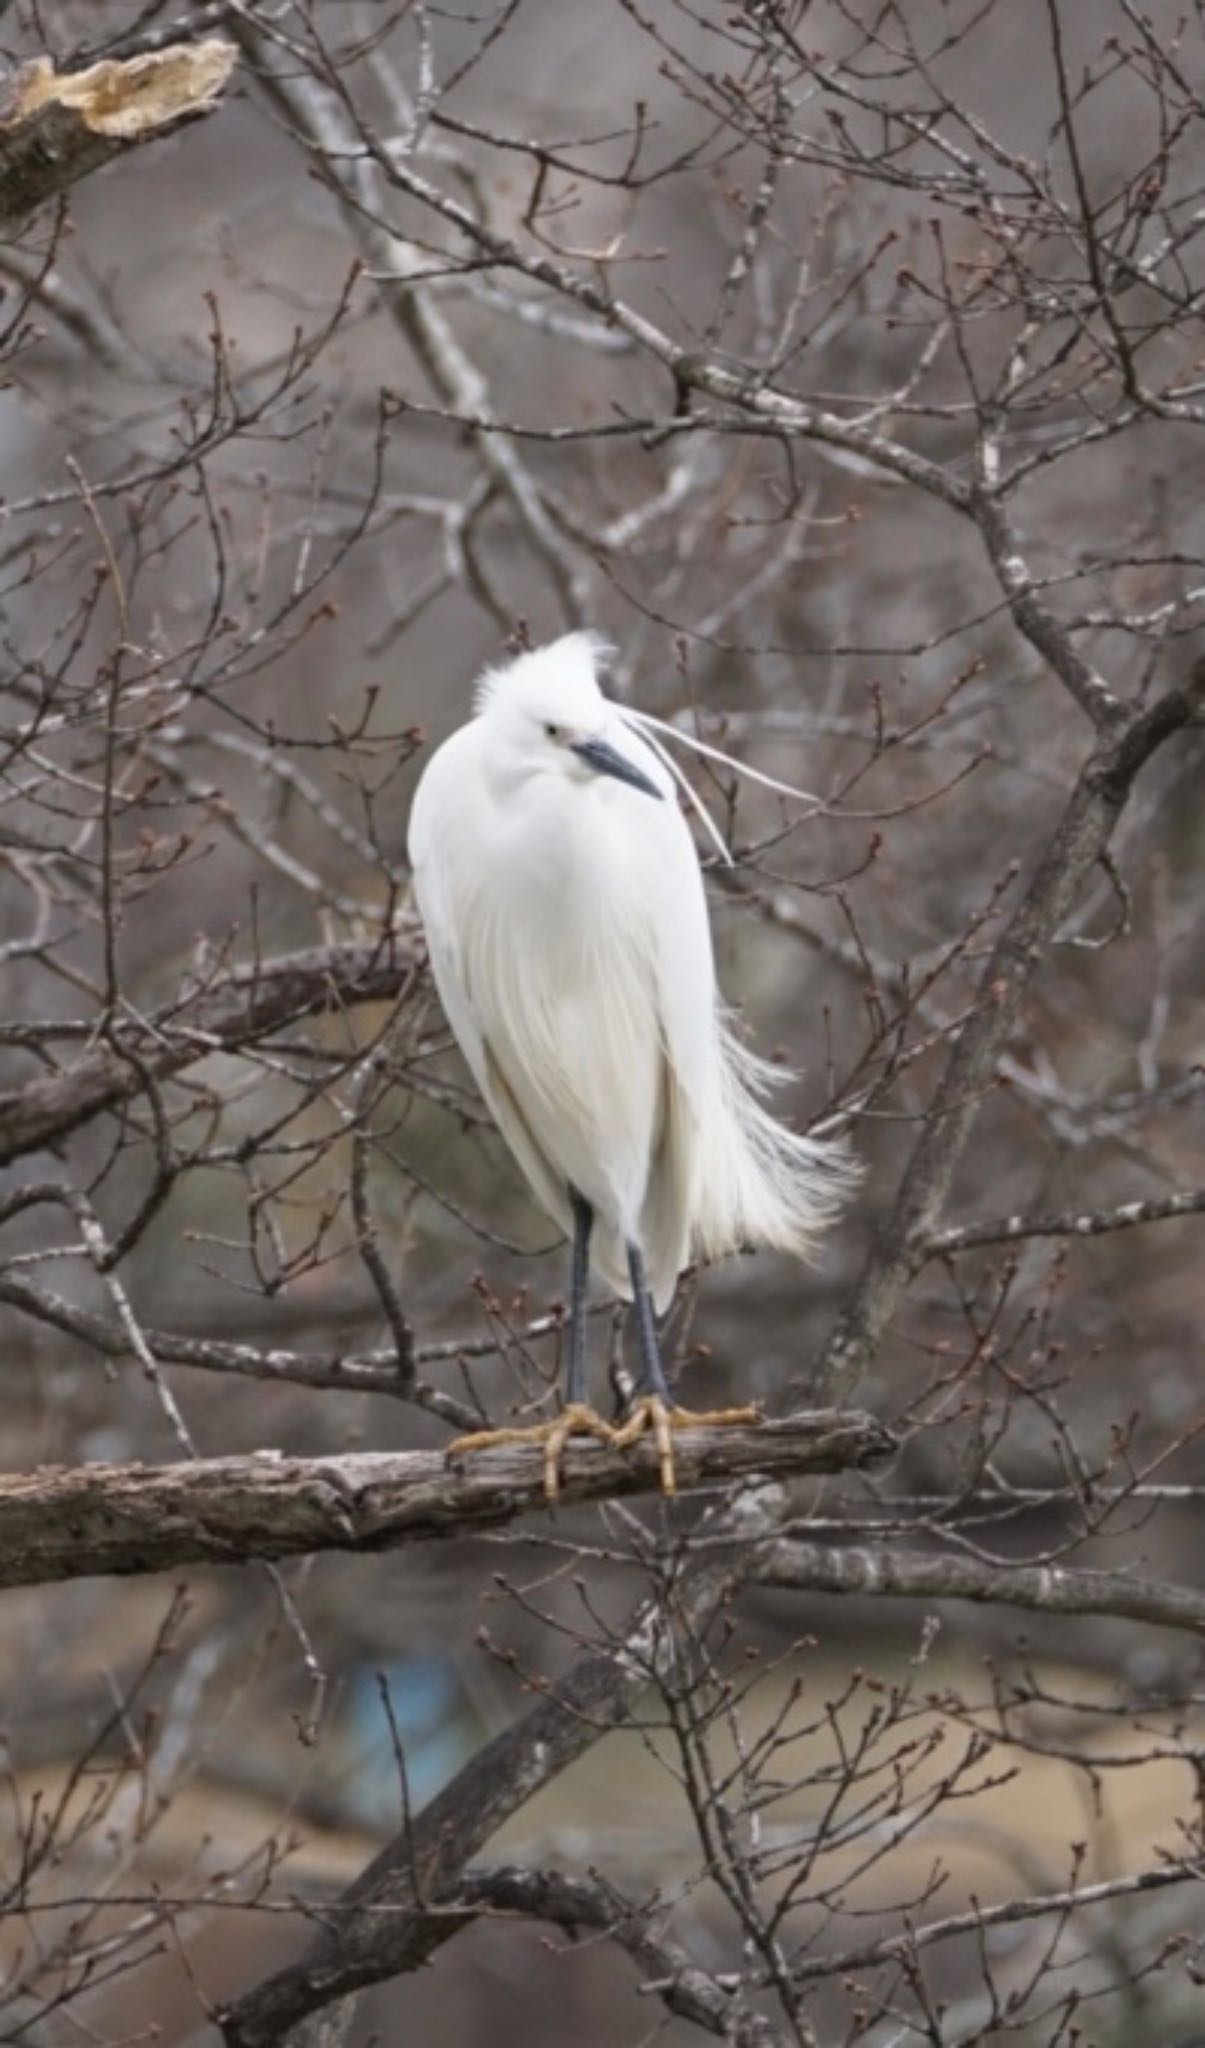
(592, 1905)
(71, 1522)
(394, 1916)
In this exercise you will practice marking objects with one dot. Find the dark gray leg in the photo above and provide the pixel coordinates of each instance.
(652, 1375)
(579, 1274)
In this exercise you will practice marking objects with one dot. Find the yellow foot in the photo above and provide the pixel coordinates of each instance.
(576, 1420)
(651, 1416)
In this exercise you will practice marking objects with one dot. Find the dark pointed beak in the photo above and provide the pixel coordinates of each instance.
(606, 760)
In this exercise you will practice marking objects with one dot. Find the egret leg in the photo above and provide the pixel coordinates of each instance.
(576, 1418)
(652, 1372)
(654, 1412)
(579, 1275)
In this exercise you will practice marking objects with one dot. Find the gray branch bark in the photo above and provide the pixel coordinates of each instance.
(1043, 1905)
(575, 1903)
(1043, 1588)
(75, 1521)
(1082, 1222)
(389, 1920)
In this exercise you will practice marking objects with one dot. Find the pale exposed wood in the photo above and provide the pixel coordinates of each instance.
(57, 126)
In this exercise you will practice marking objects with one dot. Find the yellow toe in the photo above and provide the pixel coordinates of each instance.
(576, 1420)
(651, 1416)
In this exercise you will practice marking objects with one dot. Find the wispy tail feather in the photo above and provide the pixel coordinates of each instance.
(760, 1183)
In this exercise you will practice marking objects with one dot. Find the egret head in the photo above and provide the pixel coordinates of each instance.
(548, 717)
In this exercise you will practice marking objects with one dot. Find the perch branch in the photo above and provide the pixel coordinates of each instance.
(389, 1921)
(69, 1522)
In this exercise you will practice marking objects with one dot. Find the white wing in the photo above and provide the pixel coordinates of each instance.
(442, 801)
(432, 819)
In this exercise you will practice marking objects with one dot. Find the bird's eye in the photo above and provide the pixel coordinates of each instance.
(553, 731)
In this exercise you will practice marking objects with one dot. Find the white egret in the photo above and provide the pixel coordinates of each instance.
(567, 927)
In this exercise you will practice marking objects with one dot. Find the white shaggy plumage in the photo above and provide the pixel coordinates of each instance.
(568, 933)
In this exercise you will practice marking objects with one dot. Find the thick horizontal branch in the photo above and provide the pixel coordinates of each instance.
(1065, 1223)
(75, 1522)
(1043, 1588)
(56, 127)
(233, 1009)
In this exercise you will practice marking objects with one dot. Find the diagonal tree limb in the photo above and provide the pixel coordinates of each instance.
(394, 1916)
(1080, 837)
(389, 1921)
(69, 1522)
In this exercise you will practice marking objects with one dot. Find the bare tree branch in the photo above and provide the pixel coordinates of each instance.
(1065, 1223)
(684, 1988)
(233, 1008)
(352, 1955)
(391, 1919)
(1046, 1589)
(1074, 1899)
(71, 1522)
(836, 365)
(1081, 836)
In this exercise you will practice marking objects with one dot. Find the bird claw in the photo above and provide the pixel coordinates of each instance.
(651, 1416)
(648, 1416)
(575, 1420)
